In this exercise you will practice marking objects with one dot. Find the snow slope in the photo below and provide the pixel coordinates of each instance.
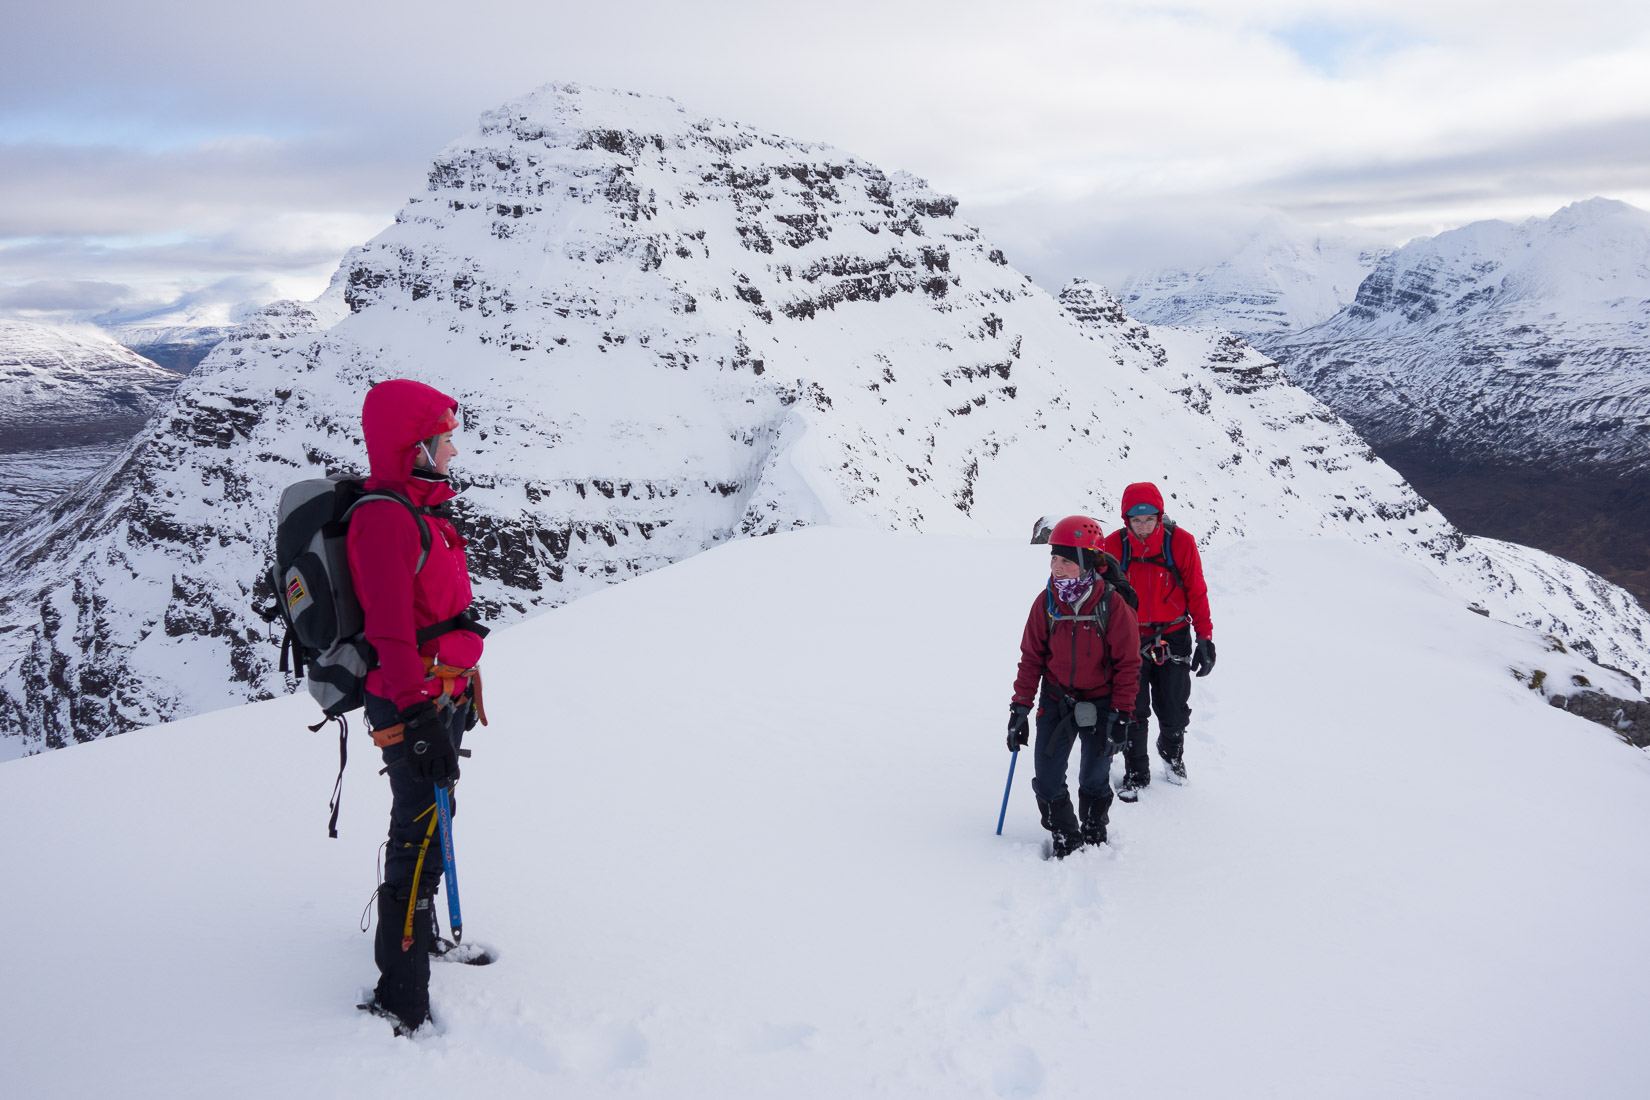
(66, 387)
(1285, 277)
(731, 835)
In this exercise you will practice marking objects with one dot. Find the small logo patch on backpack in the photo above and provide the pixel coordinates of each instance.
(295, 591)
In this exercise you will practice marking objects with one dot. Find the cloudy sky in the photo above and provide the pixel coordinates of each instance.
(226, 152)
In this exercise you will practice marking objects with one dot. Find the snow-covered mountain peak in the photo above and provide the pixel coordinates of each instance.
(563, 113)
(1283, 277)
(667, 331)
(1587, 213)
(1574, 265)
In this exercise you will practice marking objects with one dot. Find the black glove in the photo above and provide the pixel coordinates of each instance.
(1203, 657)
(1017, 732)
(430, 752)
(1117, 728)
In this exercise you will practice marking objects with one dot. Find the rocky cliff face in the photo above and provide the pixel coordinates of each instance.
(69, 400)
(667, 331)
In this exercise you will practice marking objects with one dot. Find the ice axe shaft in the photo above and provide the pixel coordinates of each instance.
(444, 813)
(1012, 757)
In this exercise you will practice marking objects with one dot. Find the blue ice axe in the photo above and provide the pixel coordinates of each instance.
(444, 813)
(1012, 757)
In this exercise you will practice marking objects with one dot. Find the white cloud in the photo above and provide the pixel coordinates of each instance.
(1056, 125)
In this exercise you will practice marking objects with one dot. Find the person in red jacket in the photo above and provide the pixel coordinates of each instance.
(1081, 642)
(420, 701)
(1173, 600)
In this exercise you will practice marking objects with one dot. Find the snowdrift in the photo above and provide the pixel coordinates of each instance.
(731, 835)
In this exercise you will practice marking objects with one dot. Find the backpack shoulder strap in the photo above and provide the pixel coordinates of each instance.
(405, 502)
(1169, 529)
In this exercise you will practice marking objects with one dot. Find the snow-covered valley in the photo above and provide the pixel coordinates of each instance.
(773, 872)
(70, 401)
(33, 480)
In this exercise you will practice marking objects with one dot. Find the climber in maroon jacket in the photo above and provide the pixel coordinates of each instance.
(1166, 571)
(1082, 643)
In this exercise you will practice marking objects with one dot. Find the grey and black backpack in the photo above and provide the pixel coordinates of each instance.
(314, 593)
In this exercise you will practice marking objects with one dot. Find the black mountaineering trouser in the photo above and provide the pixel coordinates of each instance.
(1056, 731)
(404, 972)
(1166, 689)
(409, 798)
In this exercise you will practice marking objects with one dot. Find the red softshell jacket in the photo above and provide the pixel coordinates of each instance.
(1104, 667)
(1161, 600)
(384, 548)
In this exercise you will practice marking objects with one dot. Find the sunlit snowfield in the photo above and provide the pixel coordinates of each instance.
(731, 834)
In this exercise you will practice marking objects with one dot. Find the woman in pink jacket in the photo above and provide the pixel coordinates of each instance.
(413, 581)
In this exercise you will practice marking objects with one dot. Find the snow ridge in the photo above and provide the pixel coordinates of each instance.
(666, 332)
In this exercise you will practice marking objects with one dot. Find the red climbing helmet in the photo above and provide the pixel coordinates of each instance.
(1078, 531)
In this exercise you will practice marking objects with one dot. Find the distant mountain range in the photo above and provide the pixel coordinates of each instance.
(1525, 344)
(1505, 369)
(177, 338)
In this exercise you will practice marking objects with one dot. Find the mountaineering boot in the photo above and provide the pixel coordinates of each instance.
(1095, 813)
(1129, 789)
(439, 944)
(403, 991)
(1171, 746)
(1061, 821)
(444, 950)
(1064, 844)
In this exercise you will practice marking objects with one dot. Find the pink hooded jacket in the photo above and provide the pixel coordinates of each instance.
(384, 548)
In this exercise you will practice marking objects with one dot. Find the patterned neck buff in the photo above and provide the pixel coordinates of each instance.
(1072, 589)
